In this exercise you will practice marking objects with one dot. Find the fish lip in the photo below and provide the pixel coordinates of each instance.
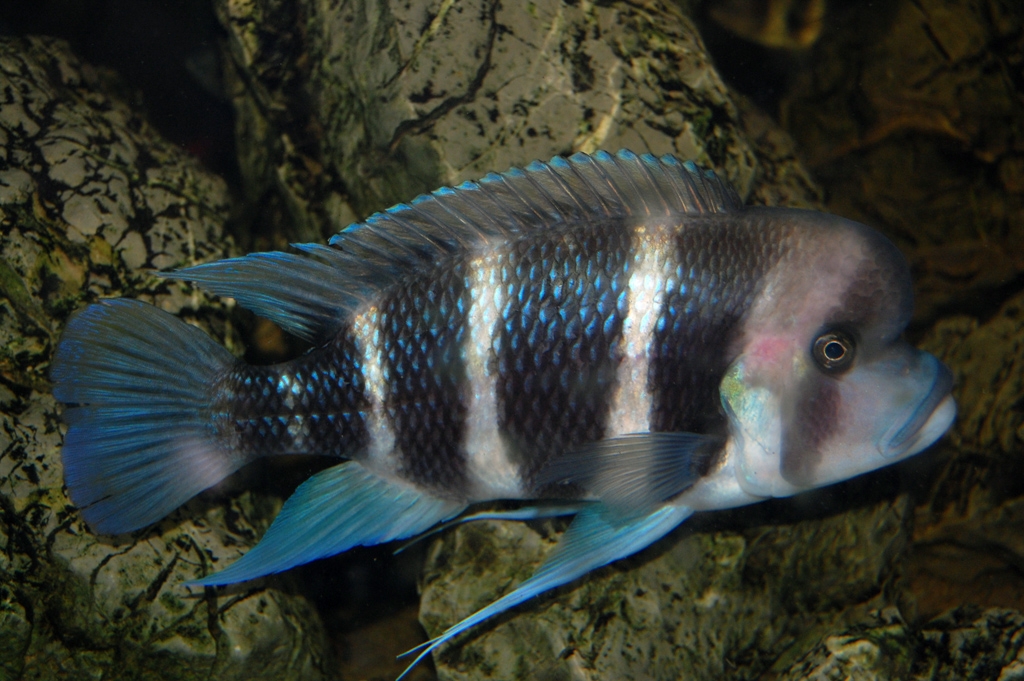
(903, 441)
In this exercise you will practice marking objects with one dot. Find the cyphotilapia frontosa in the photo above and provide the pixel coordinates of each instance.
(614, 333)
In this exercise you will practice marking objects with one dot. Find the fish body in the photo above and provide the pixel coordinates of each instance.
(617, 335)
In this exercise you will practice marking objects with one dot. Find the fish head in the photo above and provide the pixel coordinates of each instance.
(823, 386)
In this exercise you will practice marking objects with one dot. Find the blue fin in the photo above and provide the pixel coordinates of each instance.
(311, 295)
(336, 509)
(596, 537)
(541, 196)
(634, 472)
(534, 512)
(140, 441)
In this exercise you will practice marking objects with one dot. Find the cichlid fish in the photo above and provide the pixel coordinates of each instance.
(780, 24)
(615, 333)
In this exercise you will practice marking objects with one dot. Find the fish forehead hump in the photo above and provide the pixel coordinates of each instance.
(834, 272)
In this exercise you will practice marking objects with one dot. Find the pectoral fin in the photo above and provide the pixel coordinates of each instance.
(635, 472)
(596, 537)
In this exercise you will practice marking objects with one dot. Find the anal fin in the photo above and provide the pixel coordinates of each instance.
(336, 509)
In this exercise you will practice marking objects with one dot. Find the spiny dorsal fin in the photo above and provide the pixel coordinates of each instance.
(543, 195)
(313, 294)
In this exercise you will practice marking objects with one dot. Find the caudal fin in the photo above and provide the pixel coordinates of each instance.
(138, 383)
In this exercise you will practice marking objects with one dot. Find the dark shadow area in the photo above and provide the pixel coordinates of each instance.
(165, 49)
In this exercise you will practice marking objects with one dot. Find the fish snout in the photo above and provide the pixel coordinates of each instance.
(923, 421)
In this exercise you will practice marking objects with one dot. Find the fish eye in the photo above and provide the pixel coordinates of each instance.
(833, 351)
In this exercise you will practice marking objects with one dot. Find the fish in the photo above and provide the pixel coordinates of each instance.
(615, 337)
(778, 24)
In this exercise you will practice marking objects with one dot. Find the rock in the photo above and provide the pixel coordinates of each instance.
(382, 101)
(703, 604)
(964, 643)
(911, 124)
(91, 201)
(908, 117)
(880, 647)
(276, 133)
(988, 366)
(968, 643)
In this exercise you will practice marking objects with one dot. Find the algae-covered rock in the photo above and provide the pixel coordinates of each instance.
(276, 133)
(987, 358)
(964, 643)
(380, 101)
(878, 647)
(701, 605)
(91, 201)
(414, 95)
(969, 643)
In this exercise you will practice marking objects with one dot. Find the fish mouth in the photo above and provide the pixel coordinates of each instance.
(929, 420)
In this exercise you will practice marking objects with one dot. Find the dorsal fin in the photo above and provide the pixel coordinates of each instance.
(312, 295)
(578, 188)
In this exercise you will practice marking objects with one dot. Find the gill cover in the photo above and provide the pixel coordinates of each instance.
(755, 417)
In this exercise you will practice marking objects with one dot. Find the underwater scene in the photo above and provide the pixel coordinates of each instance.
(548, 339)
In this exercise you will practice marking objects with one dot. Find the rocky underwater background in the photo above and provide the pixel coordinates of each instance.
(140, 136)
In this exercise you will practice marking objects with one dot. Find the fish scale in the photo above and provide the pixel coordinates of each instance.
(422, 329)
(551, 395)
(699, 320)
(262, 409)
(616, 332)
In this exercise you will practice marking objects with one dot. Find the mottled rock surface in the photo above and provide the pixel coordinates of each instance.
(379, 102)
(703, 604)
(965, 643)
(277, 135)
(878, 646)
(91, 201)
(968, 643)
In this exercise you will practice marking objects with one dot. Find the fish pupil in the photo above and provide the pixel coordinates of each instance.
(833, 351)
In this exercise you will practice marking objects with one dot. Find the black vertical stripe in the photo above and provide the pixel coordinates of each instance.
(323, 404)
(558, 340)
(815, 418)
(422, 326)
(720, 264)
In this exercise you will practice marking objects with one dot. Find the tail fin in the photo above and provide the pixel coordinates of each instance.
(141, 439)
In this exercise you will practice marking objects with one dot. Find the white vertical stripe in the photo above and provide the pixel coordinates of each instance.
(650, 251)
(491, 470)
(367, 336)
